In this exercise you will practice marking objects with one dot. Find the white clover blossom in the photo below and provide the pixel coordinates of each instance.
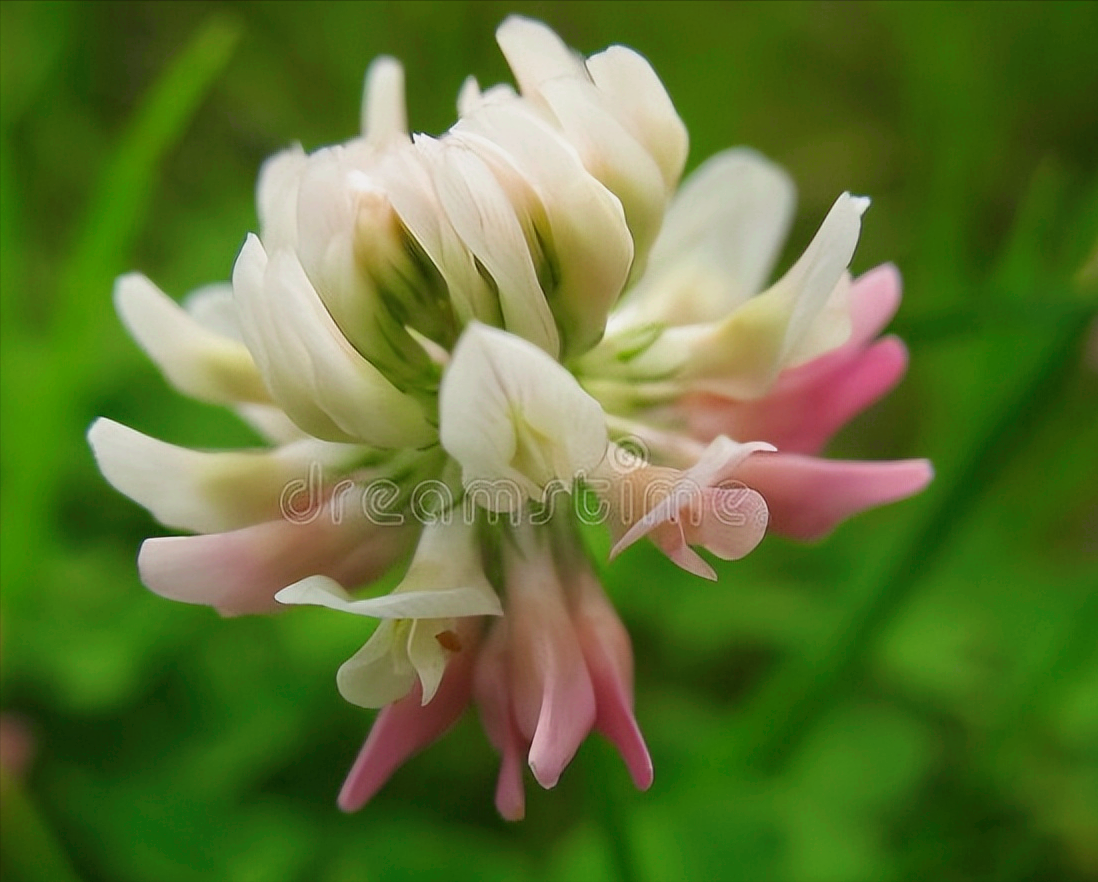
(441, 337)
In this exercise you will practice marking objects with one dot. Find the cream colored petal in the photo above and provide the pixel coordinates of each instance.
(613, 110)
(721, 236)
(447, 565)
(484, 216)
(379, 673)
(469, 95)
(509, 412)
(212, 307)
(276, 197)
(337, 199)
(535, 53)
(797, 318)
(449, 555)
(448, 602)
(427, 654)
(642, 103)
(384, 115)
(812, 281)
(587, 240)
(196, 360)
(270, 423)
(613, 155)
(207, 492)
(314, 373)
(411, 192)
(341, 205)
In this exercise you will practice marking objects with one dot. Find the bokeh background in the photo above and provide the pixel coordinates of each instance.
(914, 698)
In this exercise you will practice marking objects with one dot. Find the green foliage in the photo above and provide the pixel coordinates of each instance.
(915, 698)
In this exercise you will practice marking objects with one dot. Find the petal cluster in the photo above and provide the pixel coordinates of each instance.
(451, 344)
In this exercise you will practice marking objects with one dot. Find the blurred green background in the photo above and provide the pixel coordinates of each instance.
(915, 698)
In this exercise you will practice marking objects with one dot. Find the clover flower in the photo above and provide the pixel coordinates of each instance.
(442, 339)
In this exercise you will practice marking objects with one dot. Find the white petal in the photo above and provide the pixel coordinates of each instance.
(535, 53)
(721, 458)
(405, 643)
(484, 217)
(613, 110)
(271, 423)
(449, 555)
(314, 373)
(469, 95)
(339, 205)
(412, 194)
(720, 238)
(612, 154)
(741, 356)
(333, 204)
(209, 492)
(583, 225)
(812, 280)
(212, 307)
(642, 102)
(276, 197)
(195, 359)
(509, 412)
(827, 330)
(427, 655)
(384, 116)
(379, 673)
(432, 604)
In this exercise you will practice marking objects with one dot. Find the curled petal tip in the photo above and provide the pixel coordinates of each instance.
(549, 777)
(925, 472)
(887, 270)
(348, 803)
(641, 771)
(510, 793)
(620, 727)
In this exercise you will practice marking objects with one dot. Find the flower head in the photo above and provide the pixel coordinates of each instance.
(441, 338)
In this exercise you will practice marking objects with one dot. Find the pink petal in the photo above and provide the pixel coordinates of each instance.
(567, 712)
(732, 524)
(407, 726)
(371, 557)
(493, 696)
(705, 507)
(669, 539)
(553, 700)
(802, 414)
(808, 497)
(609, 656)
(240, 571)
(874, 299)
(811, 402)
(510, 793)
